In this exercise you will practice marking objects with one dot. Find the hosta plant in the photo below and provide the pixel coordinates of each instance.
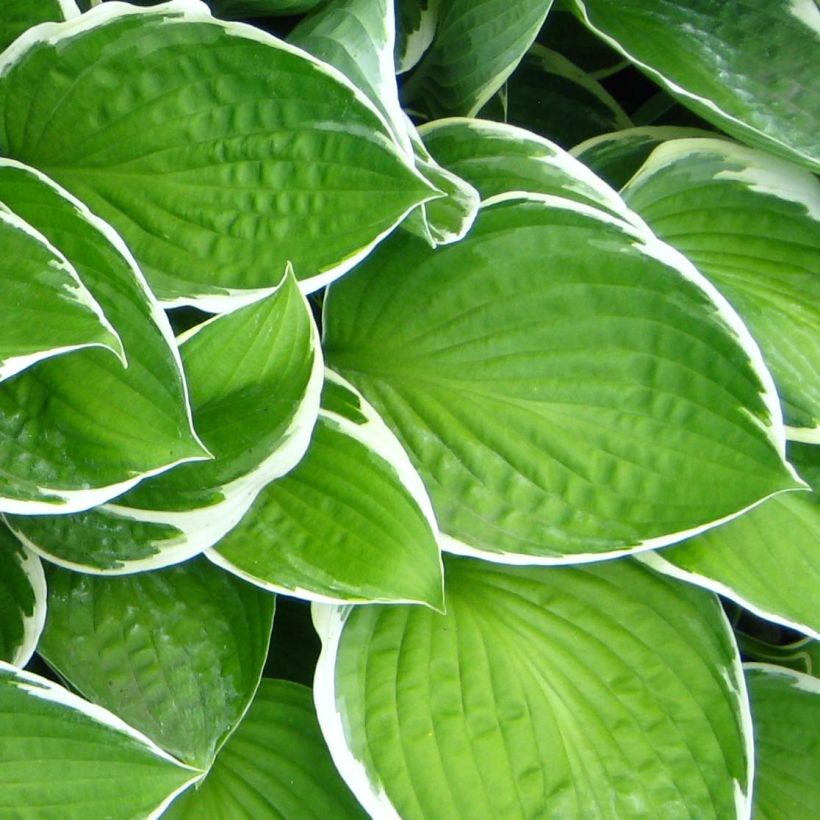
(480, 340)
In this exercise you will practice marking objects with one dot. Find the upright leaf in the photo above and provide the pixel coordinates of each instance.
(767, 560)
(569, 387)
(275, 765)
(416, 22)
(22, 600)
(176, 653)
(351, 523)
(786, 713)
(78, 430)
(57, 750)
(476, 47)
(48, 310)
(255, 377)
(225, 156)
(751, 223)
(603, 691)
(748, 67)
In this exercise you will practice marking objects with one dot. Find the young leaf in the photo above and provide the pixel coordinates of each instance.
(786, 713)
(16, 16)
(228, 154)
(551, 96)
(22, 600)
(351, 523)
(766, 560)
(59, 752)
(497, 158)
(475, 48)
(769, 50)
(617, 156)
(569, 388)
(175, 653)
(416, 22)
(750, 222)
(78, 430)
(255, 377)
(602, 691)
(49, 311)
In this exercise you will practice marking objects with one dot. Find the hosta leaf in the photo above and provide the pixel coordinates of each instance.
(617, 156)
(551, 96)
(22, 600)
(498, 158)
(275, 765)
(77, 430)
(49, 311)
(786, 712)
(225, 156)
(352, 522)
(748, 67)
(176, 653)
(475, 48)
(603, 691)
(358, 37)
(61, 753)
(18, 15)
(802, 655)
(568, 387)
(767, 560)
(416, 22)
(255, 376)
(751, 223)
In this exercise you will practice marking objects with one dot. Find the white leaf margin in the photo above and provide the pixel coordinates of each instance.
(73, 288)
(800, 11)
(377, 437)
(647, 243)
(46, 690)
(71, 501)
(657, 562)
(799, 680)
(329, 622)
(188, 11)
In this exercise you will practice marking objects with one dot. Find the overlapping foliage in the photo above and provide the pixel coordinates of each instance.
(321, 305)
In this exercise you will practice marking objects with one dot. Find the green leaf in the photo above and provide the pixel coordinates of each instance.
(275, 765)
(497, 158)
(786, 712)
(228, 154)
(568, 387)
(255, 377)
(617, 156)
(22, 600)
(16, 16)
(603, 691)
(476, 47)
(802, 655)
(80, 429)
(351, 523)
(49, 311)
(59, 752)
(176, 653)
(551, 96)
(766, 560)
(358, 38)
(769, 50)
(416, 22)
(750, 222)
